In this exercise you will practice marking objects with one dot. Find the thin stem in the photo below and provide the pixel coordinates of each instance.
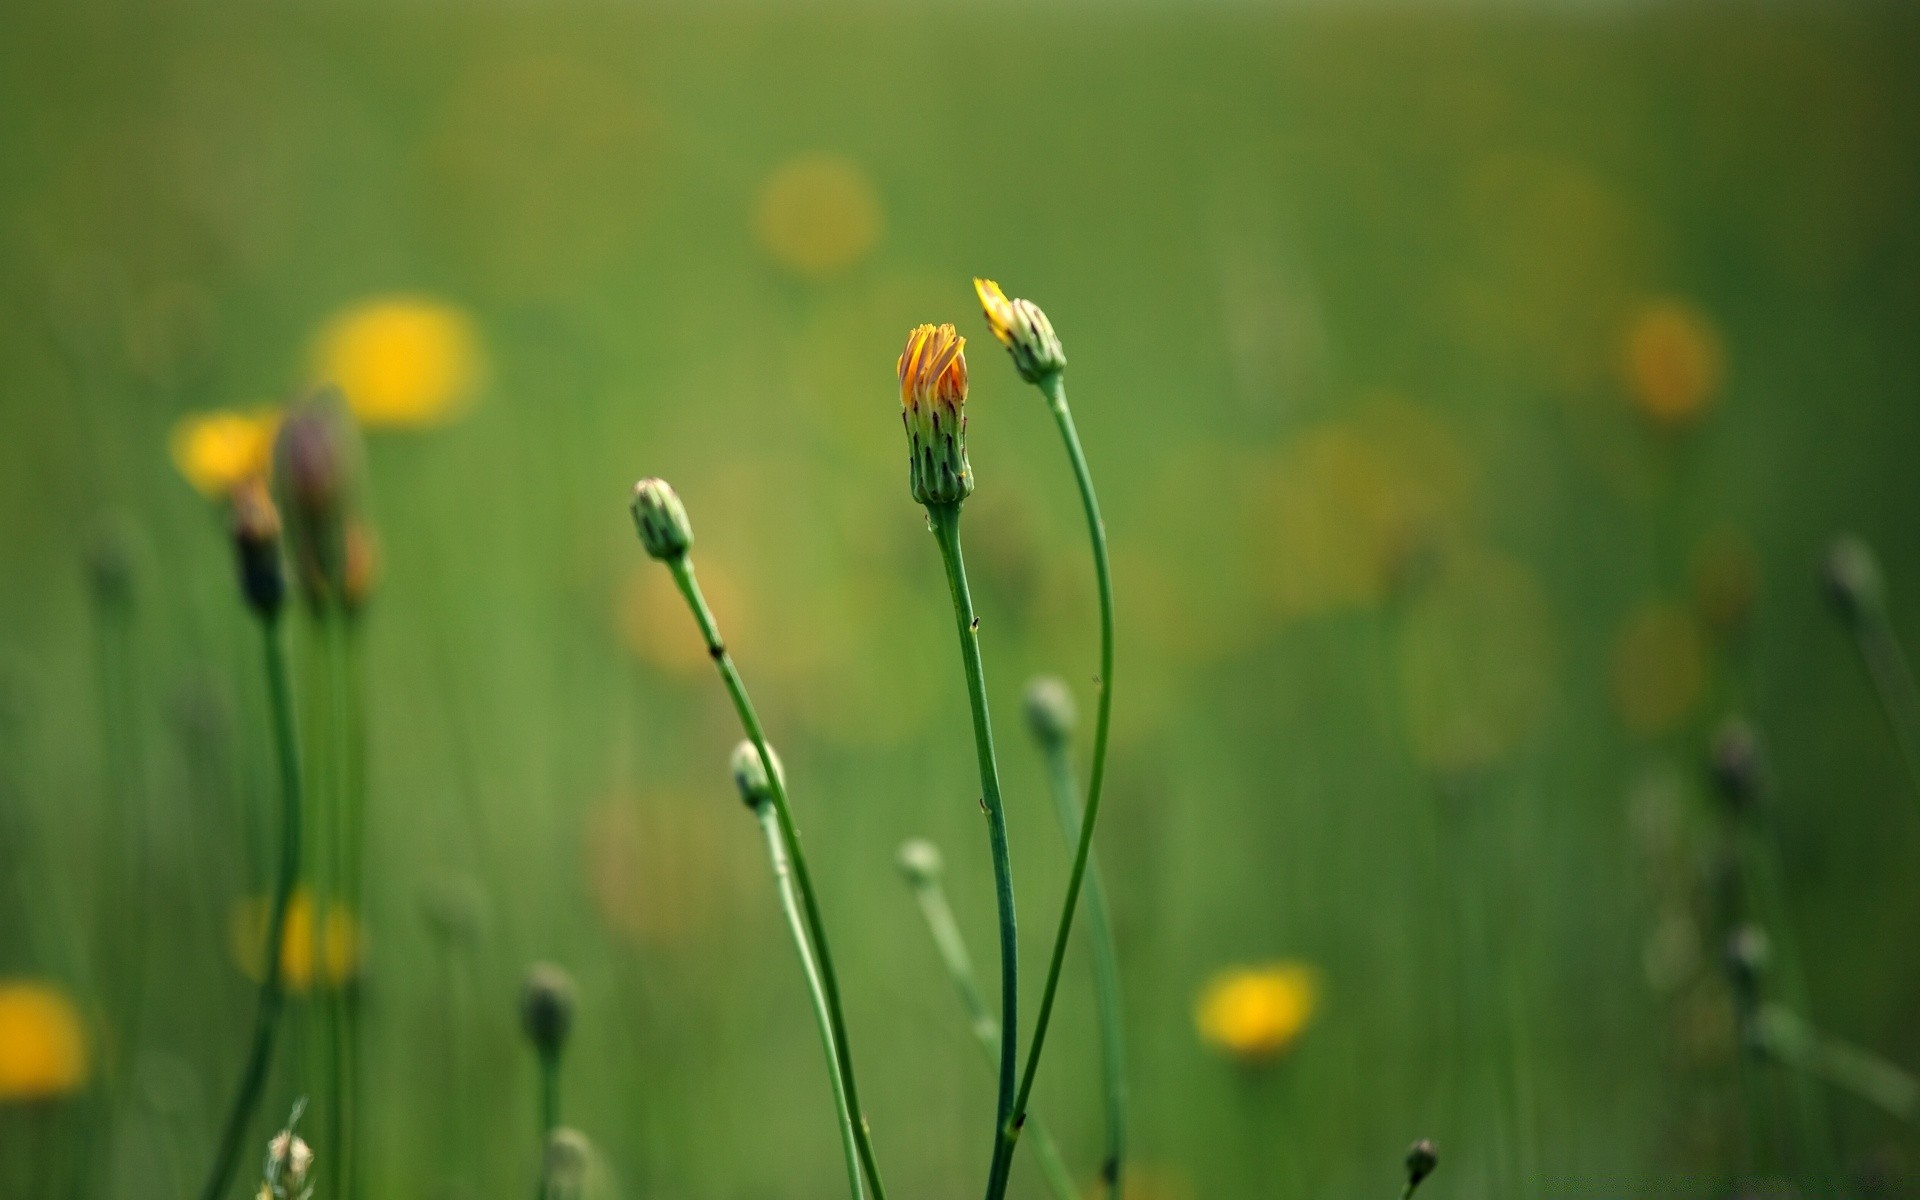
(1892, 682)
(1106, 971)
(342, 1056)
(254, 1078)
(682, 569)
(945, 520)
(1054, 387)
(796, 924)
(952, 948)
(549, 1096)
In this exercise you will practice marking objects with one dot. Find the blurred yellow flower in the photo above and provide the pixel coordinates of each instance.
(335, 960)
(1659, 668)
(1256, 1013)
(1674, 362)
(43, 1047)
(403, 362)
(220, 450)
(818, 215)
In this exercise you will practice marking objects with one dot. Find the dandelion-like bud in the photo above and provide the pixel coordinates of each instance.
(316, 460)
(546, 1008)
(256, 545)
(1852, 576)
(750, 774)
(919, 860)
(1051, 713)
(933, 406)
(1739, 768)
(661, 520)
(1024, 330)
(1422, 1158)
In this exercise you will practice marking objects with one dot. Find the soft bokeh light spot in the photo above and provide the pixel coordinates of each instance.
(654, 625)
(1673, 361)
(818, 215)
(218, 451)
(1255, 1014)
(401, 361)
(1659, 667)
(43, 1045)
(316, 950)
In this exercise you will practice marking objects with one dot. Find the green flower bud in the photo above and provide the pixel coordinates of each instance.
(546, 1008)
(661, 520)
(933, 406)
(1422, 1158)
(316, 468)
(750, 774)
(1024, 330)
(919, 860)
(1051, 713)
(1852, 576)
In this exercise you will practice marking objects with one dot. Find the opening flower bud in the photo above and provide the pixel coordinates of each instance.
(933, 406)
(546, 1008)
(1051, 713)
(1024, 330)
(1851, 573)
(919, 860)
(750, 774)
(256, 545)
(661, 520)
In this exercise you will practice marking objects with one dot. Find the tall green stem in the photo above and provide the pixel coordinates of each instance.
(952, 948)
(1106, 971)
(796, 924)
(945, 520)
(1893, 683)
(549, 1095)
(682, 568)
(254, 1078)
(1054, 387)
(342, 998)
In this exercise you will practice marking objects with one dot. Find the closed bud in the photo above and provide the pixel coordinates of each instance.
(1747, 955)
(1051, 713)
(1739, 768)
(661, 520)
(750, 774)
(1422, 1157)
(256, 545)
(919, 860)
(1851, 573)
(546, 1008)
(1024, 330)
(933, 407)
(316, 465)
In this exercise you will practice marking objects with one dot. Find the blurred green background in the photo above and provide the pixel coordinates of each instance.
(1473, 391)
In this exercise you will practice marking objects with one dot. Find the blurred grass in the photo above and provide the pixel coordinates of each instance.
(1346, 295)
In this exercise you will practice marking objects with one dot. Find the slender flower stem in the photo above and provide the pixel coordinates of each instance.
(549, 1096)
(1054, 387)
(342, 998)
(254, 1078)
(945, 520)
(790, 905)
(1893, 683)
(952, 948)
(682, 569)
(1106, 971)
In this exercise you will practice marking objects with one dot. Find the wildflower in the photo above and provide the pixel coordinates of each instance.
(1024, 330)
(322, 950)
(1674, 362)
(750, 774)
(1050, 711)
(218, 451)
(292, 1154)
(546, 1008)
(43, 1049)
(403, 362)
(289, 1162)
(661, 519)
(933, 402)
(1256, 1013)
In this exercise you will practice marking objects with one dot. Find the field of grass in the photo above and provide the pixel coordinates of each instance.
(1474, 394)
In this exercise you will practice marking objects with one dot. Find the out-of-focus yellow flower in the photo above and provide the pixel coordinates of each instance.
(818, 215)
(326, 954)
(1674, 362)
(403, 362)
(1256, 1014)
(43, 1046)
(1726, 577)
(1659, 668)
(218, 451)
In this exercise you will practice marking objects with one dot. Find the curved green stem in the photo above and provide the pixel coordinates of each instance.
(952, 948)
(1106, 972)
(945, 520)
(254, 1078)
(1054, 387)
(790, 905)
(682, 569)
